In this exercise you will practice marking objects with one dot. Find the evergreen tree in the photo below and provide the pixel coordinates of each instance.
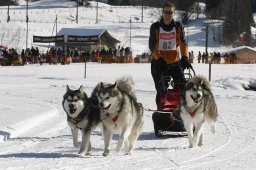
(238, 21)
(114, 2)
(125, 2)
(253, 5)
(214, 9)
(7, 2)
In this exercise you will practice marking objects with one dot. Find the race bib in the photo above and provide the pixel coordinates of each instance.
(167, 40)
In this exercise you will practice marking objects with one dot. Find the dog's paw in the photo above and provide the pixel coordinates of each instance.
(195, 141)
(105, 153)
(128, 153)
(200, 144)
(213, 129)
(77, 144)
(118, 150)
(118, 147)
(88, 154)
(81, 154)
(201, 141)
(194, 144)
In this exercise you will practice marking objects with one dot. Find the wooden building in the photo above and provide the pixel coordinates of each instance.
(245, 54)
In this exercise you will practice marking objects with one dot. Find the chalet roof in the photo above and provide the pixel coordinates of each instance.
(87, 32)
(238, 49)
(81, 32)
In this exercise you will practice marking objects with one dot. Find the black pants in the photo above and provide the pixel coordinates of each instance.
(160, 69)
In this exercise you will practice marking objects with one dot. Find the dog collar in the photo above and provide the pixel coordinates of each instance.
(115, 119)
(192, 114)
(75, 121)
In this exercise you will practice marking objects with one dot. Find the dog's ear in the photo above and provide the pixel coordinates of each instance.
(101, 84)
(202, 82)
(81, 88)
(189, 85)
(205, 86)
(67, 88)
(205, 92)
(114, 86)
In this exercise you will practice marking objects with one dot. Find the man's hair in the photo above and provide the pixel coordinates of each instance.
(169, 4)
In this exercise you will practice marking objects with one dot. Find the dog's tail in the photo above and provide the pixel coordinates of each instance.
(211, 112)
(126, 84)
(211, 108)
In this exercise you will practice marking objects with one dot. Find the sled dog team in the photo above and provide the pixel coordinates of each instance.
(114, 107)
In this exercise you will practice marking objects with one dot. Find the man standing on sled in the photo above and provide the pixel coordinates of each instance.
(166, 36)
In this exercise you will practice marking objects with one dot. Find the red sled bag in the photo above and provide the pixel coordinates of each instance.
(166, 119)
(169, 100)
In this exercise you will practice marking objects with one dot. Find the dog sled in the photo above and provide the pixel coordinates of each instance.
(166, 119)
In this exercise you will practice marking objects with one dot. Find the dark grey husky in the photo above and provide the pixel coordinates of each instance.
(82, 113)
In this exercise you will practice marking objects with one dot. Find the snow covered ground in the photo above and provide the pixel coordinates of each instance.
(33, 129)
(34, 133)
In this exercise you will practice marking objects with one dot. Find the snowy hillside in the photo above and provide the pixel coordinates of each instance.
(42, 15)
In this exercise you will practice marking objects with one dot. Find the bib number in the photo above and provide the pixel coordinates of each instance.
(167, 45)
(167, 40)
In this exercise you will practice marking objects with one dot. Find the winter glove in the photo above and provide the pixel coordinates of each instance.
(185, 63)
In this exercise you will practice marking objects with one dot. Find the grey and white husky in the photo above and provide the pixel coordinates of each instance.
(120, 113)
(197, 106)
(82, 113)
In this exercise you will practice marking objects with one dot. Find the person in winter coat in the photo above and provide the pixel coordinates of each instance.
(166, 36)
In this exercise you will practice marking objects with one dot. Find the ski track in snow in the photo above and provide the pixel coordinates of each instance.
(162, 150)
(45, 138)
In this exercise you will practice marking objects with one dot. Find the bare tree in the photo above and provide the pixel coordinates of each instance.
(11, 37)
(2, 35)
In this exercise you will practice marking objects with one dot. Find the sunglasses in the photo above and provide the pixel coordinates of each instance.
(168, 12)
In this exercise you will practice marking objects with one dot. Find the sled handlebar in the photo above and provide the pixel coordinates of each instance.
(192, 70)
(189, 74)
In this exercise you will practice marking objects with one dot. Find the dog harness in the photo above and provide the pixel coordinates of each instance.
(79, 118)
(75, 120)
(192, 114)
(114, 119)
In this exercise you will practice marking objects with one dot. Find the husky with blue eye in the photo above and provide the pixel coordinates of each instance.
(197, 107)
(82, 114)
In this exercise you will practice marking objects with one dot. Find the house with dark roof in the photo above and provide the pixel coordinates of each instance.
(86, 39)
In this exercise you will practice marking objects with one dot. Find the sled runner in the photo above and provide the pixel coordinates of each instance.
(166, 119)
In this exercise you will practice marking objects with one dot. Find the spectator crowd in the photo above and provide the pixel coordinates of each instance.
(101, 55)
(67, 56)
